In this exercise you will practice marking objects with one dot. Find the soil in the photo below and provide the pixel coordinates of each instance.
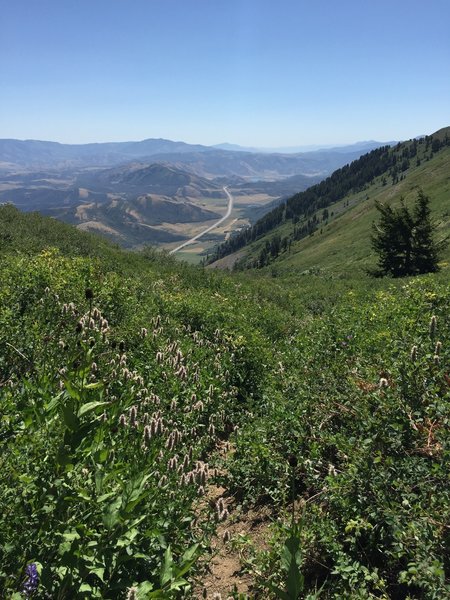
(223, 571)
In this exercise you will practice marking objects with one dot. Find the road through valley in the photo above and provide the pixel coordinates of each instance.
(211, 227)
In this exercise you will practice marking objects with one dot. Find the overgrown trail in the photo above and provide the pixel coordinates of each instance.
(224, 572)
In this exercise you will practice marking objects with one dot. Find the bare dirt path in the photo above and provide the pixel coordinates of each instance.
(223, 570)
(211, 227)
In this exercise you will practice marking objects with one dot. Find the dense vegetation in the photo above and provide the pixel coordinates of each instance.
(123, 375)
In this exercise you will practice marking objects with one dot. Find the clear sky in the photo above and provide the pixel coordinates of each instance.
(251, 72)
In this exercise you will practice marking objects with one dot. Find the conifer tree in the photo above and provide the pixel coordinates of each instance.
(404, 240)
(424, 249)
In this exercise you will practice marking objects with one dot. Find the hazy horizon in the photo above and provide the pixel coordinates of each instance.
(245, 72)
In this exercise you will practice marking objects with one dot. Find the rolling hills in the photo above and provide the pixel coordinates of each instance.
(131, 191)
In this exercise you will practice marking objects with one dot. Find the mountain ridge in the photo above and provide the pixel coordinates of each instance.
(34, 154)
(303, 214)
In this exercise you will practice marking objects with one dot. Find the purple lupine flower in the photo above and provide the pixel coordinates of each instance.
(32, 580)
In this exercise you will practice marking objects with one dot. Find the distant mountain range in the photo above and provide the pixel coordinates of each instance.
(206, 161)
(357, 146)
(137, 192)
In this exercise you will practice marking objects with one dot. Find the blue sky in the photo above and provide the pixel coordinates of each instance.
(251, 72)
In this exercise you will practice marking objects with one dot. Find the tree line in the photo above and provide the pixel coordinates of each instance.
(301, 208)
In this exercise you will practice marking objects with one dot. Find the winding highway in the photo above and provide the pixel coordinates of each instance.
(211, 227)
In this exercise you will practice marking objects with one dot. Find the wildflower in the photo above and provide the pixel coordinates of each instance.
(436, 359)
(223, 515)
(181, 373)
(433, 323)
(147, 435)
(155, 399)
(202, 477)
(383, 383)
(132, 593)
(413, 354)
(133, 416)
(201, 491)
(438, 348)
(89, 294)
(220, 507)
(122, 420)
(226, 536)
(332, 470)
(32, 580)
(170, 442)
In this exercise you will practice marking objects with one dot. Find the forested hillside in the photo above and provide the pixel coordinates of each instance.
(388, 172)
(160, 421)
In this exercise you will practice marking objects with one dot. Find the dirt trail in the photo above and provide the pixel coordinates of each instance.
(223, 570)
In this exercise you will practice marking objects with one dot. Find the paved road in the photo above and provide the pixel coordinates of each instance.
(208, 229)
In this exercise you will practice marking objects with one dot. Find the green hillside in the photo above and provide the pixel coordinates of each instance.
(329, 226)
(171, 432)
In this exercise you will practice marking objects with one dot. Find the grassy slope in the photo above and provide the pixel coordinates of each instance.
(344, 243)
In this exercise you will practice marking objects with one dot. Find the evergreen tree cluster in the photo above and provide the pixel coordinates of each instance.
(403, 240)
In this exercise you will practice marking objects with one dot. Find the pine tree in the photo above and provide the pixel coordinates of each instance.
(404, 240)
(424, 249)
